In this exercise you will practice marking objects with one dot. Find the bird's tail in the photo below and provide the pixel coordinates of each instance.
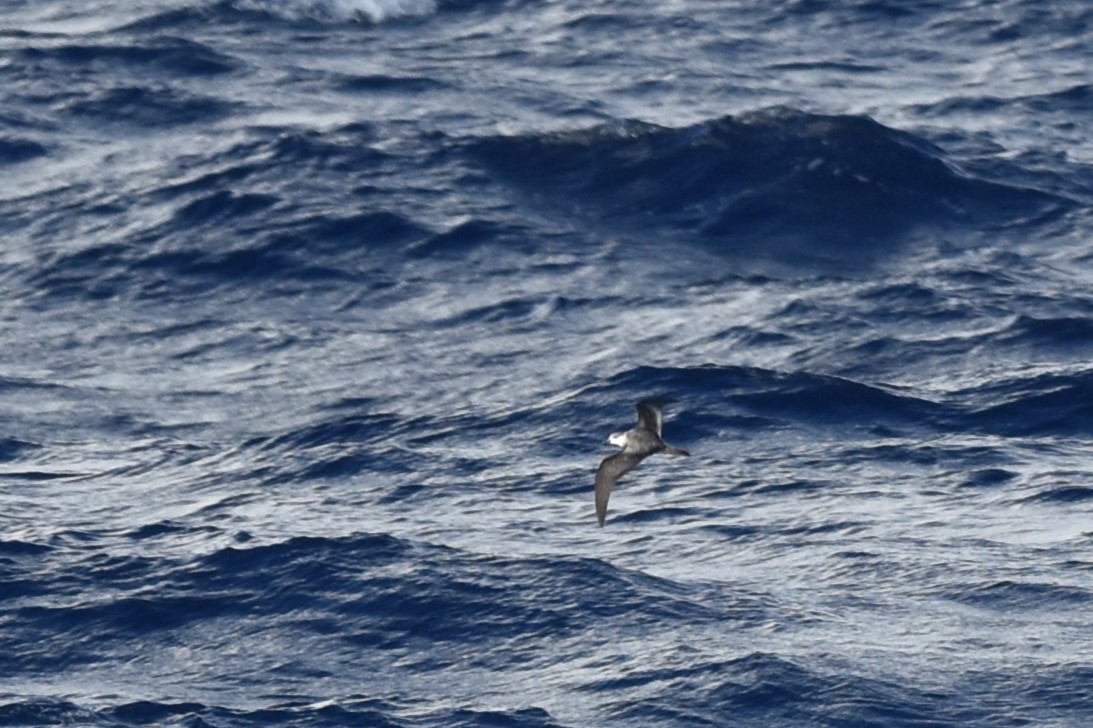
(675, 450)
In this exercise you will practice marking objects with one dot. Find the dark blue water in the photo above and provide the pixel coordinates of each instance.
(316, 317)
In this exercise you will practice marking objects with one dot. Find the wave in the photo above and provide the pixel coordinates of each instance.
(371, 590)
(353, 710)
(160, 54)
(1064, 494)
(775, 398)
(374, 11)
(232, 218)
(762, 688)
(1059, 331)
(139, 107)
(755, 398)
(335, 446)
(14, 150)
(779, 185)
(778, 182)
(1008, 595)
(245, 14)
(1053, 403)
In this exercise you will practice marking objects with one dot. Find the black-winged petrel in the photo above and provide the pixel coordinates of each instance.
(637, 443)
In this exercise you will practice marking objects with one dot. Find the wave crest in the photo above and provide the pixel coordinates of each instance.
(779, 183)
(374, 11)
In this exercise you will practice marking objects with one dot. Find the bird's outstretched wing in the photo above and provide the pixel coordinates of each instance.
(650, 416)
(611, 469)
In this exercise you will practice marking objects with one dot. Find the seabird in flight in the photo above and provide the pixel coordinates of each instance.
(637, 443)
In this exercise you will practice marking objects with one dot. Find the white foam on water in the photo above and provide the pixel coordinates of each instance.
(375, 11)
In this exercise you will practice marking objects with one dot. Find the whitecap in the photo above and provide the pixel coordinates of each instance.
(375, 11)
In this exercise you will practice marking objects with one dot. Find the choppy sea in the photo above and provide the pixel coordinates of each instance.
(317, 314)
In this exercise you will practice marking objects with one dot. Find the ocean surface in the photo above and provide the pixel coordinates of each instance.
(317, 314)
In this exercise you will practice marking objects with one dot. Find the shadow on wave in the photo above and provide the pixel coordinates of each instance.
(355, 710)
(168, 54)
(754, 398)
(749, 398)
(1059, 404)
(371, 590)
(15, 150)
(1007, 595)
(338, 443)
(761, 688)
(253, 215)
(780, 184)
